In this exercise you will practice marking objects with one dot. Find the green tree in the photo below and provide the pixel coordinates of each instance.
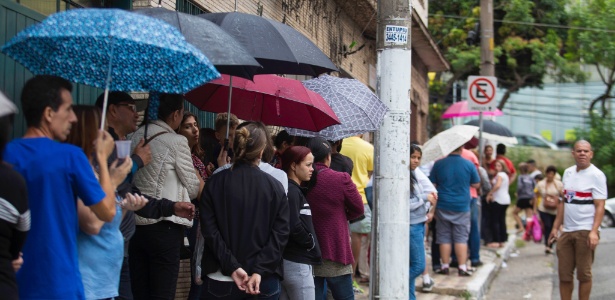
(594, 47)
(524, 53)
(602, 137)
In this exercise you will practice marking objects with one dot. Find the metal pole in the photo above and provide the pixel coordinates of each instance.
(487, 66)
(391, 224)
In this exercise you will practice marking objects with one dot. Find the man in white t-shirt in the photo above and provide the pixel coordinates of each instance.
(581, 212)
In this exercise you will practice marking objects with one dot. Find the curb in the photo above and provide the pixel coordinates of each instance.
(479, 285)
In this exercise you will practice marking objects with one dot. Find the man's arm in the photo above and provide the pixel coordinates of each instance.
(593, 234)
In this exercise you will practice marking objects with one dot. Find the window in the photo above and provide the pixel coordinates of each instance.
(187, 6)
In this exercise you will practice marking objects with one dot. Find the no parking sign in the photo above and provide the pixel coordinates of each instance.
(481, 93)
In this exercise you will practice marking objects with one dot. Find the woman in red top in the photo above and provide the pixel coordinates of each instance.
(334, 200)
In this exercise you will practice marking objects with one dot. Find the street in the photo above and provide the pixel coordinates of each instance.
(530, 274)
(603, 288)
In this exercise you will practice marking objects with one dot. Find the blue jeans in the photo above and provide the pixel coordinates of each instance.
(212, 289)
(474, 239)
(417, 254)
(340, 286)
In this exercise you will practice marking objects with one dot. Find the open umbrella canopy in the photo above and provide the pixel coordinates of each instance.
(279, 48)
(7, 106)
(271, 99)
(222, 50)
(358, 108)
(443, 143)
(90, 46)
(495, 131)
(460, 109)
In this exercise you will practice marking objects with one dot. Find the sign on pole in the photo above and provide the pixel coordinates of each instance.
(481, 93)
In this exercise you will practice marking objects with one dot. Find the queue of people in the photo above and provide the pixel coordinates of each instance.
(106, 225)
(265, 217)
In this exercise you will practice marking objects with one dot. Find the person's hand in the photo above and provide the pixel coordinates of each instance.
(210, 169)
(553, 236)
(593, 240)
(118, 172)
(184, 210)
(429, 216)
(17, 263)
(104, 144)
(240, 277)
(223, 158)
(432, 198)
(133, 202)
(144, 152)
(254, 284)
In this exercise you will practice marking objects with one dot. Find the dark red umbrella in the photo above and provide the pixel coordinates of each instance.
(271, 99)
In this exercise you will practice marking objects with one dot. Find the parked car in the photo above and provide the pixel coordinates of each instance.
(534, 140)
(609, 213)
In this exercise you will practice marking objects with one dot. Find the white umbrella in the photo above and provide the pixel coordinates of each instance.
(446, 141)
(6, 106)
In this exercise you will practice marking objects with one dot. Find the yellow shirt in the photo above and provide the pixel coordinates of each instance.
(361, 153)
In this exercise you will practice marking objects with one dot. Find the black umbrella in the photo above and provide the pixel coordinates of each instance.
(279, 48)
(222, 50)
(495, 131)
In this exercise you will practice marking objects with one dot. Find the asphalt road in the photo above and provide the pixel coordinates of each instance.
(602, 270)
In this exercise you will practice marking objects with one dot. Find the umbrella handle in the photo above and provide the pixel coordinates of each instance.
(228, 116)
(107, 84)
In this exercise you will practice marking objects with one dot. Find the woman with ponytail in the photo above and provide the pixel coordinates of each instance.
(245, 223)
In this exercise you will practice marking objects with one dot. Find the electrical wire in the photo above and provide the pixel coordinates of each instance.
(531, 23)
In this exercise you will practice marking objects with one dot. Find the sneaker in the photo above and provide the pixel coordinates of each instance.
(465, 273)
(427, 287)
(356, 288)
(441, 271)
(477, 264)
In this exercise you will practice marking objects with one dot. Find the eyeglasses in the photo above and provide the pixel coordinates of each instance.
(133, 107)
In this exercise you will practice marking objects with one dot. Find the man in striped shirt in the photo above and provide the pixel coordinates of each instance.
(580, 212)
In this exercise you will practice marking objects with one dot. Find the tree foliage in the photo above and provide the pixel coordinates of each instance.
(594, 47)
(525, 54)
(602, 137)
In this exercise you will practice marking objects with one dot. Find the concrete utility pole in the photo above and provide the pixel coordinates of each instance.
(487, 65)
(391, 218)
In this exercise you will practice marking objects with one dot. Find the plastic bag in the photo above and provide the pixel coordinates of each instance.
(536, 229)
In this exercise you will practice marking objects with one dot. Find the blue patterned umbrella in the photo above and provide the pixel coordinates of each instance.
(112, 49)
(357, 107)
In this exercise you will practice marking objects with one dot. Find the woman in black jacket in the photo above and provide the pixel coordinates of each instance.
(302, 250)
(245, 223)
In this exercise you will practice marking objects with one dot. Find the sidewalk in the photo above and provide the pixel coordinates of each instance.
(451, 286)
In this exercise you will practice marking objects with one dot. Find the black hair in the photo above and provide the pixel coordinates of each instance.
(500, 149)
(113, 98)
(414, 148)
(551, 169)
(169, 103)
(282, 137)
(531, 161)
(40, 92)
(321, 149)
(6, 126)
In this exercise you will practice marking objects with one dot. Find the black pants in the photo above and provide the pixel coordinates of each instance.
(125, 291)
(547, 221)
(497, 222)
(154, 260)
(485, 228)
(435, 248)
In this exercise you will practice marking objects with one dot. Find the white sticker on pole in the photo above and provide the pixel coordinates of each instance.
(395, 35)
(481, 93)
